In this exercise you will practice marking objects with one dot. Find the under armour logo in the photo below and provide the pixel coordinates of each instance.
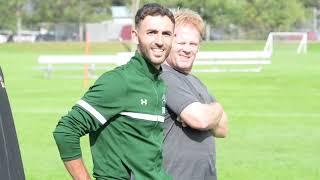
(163, 98)
(144, 101)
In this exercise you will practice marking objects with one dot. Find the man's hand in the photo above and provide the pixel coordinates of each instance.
(221, 130)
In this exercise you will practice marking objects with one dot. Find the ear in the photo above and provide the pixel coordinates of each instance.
(134, 35)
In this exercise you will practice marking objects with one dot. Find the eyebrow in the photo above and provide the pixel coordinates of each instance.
(148, 30)
(168, 32)
(157, 30)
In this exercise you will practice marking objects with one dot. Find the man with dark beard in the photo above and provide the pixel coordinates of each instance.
(123, 112)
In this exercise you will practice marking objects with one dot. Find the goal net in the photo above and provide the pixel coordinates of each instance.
(287, 38)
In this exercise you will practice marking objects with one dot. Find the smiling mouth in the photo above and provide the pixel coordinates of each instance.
(184, 56)
(157, 51)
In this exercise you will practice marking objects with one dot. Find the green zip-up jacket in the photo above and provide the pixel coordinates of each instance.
(123, 113)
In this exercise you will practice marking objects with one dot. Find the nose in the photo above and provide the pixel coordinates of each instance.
(186, 49)
(159, 40)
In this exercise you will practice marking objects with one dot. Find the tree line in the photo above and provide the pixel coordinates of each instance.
(257, 15)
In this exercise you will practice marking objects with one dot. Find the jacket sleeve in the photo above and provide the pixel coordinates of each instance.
(100, 103)
(70, 128)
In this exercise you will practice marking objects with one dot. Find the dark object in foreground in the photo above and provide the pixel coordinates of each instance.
(11, 167)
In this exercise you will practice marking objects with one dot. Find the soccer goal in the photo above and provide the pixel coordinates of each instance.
(301, 37)
(248, 61)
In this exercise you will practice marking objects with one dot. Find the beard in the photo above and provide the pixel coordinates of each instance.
(147, 54)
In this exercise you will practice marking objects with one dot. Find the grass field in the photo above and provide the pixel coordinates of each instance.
(274, 116)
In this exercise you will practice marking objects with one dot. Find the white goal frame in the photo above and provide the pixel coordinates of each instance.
(302, 48)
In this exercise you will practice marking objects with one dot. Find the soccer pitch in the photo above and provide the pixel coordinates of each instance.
(274, 115)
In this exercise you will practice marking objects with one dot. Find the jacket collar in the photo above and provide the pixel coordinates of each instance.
(144, 66)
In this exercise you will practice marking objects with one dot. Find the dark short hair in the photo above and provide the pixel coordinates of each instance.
(152, 9)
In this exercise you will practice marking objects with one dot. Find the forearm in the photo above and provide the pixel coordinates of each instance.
(68, 144)
(67, 139)
(77, 169)
(67, 135)
(202, 116)
(68, 132)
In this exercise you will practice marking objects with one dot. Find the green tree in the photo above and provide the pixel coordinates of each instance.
(119, 2)
(255, 17)
(311, 3)
(71, 10)
(7, 17)
(12, 14)
(263, 16)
